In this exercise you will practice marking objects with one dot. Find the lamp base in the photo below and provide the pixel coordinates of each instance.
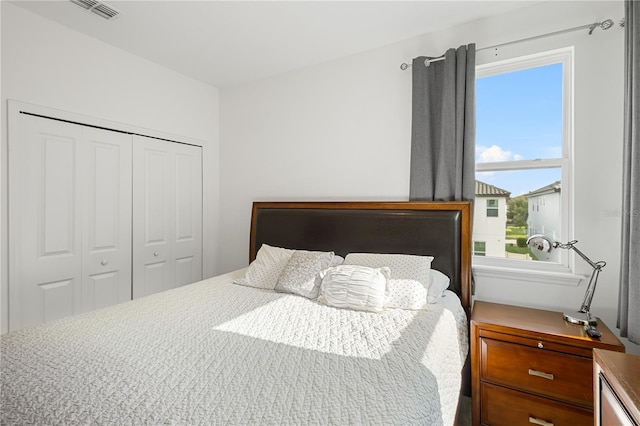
(581, 318)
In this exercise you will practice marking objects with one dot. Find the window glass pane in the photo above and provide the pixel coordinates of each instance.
(479, 248)
(530, 203)
(519, 115)
(492, 208)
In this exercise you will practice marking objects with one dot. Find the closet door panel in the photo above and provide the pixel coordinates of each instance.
(54, 300)
(106, 185)
(188, 214)
(44, 213)
(156, 196)
(167, 214)
(56, 191)
(152, 209)
(101, 290)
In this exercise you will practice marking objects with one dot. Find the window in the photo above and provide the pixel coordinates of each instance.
(479, 248)
(523, 140)
(492, 208)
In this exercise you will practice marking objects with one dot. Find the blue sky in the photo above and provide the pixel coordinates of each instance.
(519, 117)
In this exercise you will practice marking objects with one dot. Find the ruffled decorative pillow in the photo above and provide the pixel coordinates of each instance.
(410, 281)
(354, 287)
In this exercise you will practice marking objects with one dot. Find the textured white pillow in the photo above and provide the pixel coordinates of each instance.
(406, 294)
(411, 294)
(403, 266)
(301, 274)
(264, 271)
(439, 283)
(354, 287)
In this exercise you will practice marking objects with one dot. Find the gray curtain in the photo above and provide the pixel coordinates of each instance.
(443, 127)
(629, 301)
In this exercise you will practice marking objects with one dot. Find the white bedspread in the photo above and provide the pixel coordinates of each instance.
(219, 353)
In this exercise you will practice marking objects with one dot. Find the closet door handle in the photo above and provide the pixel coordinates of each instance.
(537, 373)
(104, 262)
(156, 253)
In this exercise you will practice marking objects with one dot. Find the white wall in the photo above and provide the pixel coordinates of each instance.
(338, 131)
(341, 131)
(46, 64)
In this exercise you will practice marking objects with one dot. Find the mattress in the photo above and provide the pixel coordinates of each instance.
(214, 352)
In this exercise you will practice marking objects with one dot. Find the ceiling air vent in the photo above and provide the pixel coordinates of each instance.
(101, 9)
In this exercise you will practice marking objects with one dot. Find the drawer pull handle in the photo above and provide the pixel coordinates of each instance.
(537, 373)
(539, 422)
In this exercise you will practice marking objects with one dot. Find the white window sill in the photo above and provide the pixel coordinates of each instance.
(528, 275)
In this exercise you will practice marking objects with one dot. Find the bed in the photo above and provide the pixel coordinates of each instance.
(215, 352)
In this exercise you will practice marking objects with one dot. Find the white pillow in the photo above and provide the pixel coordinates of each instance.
(264, 271)
(411, 294)
(406, 294)
(403, 266)
(301, 274)
(336, 261)
(439, 283)
(354, 287)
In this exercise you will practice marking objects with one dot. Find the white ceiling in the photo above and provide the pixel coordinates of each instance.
(225, 43)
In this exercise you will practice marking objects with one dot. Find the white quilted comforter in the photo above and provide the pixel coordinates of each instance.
(219, 353)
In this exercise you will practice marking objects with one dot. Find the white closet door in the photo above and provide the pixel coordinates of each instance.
(167, 215)
(70, 220)
(106, 231)
(187, 240)
(45, 270)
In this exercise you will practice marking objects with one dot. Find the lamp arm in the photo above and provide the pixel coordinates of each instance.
(591, 287)
(588, 294)
(594, 265)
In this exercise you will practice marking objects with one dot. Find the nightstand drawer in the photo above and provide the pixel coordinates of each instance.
(553, 374)
(502, 406)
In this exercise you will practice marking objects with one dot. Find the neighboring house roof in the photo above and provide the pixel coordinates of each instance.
(486, 190)
(548, 189)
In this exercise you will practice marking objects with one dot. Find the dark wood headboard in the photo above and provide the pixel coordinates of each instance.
(439, 229)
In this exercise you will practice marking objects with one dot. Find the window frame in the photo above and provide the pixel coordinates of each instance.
(562, 272)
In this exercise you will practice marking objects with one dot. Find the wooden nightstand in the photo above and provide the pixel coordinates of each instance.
(529, 366)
